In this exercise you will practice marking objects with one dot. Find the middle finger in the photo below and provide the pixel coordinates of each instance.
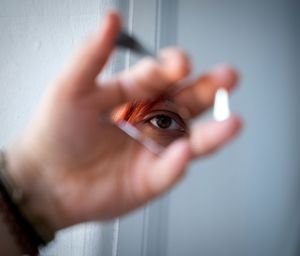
(199, 96)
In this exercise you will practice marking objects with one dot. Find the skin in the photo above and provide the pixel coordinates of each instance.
(72, 167)
(147, 121)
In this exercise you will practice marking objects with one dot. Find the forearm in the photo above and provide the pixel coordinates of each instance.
(28, 179)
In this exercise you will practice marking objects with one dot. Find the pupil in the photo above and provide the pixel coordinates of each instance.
(163, 122)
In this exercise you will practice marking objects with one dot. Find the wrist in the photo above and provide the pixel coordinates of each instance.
(28, 191)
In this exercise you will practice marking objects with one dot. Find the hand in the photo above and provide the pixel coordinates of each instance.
(75, 168)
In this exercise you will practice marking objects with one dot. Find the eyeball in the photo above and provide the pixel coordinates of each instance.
(164, 122)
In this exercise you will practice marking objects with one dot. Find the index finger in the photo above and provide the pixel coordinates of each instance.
(146, 80)
(80, 73)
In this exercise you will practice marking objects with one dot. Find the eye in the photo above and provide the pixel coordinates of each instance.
(165, 122)
(163, 126)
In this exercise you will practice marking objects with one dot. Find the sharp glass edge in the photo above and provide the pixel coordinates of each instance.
(134, 133)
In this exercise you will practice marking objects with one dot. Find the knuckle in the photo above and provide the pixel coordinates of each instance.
(154, 72)
(178, 59)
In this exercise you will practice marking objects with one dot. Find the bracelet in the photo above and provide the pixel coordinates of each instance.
(24, 233)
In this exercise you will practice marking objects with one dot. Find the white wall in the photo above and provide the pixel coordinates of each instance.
(242, 201)
(36, 39)
(245, 200)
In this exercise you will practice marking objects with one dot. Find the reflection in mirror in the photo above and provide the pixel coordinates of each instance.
(154, 123)
(221, 109)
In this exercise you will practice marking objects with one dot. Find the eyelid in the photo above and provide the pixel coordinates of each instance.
(171, 114)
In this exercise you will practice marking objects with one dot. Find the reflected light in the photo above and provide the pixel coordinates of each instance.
(221, 109)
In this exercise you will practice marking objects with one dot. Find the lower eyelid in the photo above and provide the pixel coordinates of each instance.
(148, 118)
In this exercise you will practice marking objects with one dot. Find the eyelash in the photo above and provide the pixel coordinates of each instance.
(179, 123)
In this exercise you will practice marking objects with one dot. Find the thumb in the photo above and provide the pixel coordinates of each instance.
(169, 168)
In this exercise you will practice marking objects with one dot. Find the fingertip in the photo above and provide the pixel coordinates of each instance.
(80, 73)
(236, 122)
(208, 137)
(176, 61)
(114, 17)
(226, 75)
(230, 127)
(110, 27)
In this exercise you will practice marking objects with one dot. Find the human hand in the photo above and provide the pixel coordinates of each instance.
(75, 168)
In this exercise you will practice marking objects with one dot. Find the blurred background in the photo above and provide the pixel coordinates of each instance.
(245, 199)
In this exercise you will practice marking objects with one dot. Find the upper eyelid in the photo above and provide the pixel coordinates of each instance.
(173, 115)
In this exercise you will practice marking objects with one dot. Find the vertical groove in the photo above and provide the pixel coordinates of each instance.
(157, 25)
(160, 215)
(144, 230)
(130, 11)
(155, 226)
(149, 239)
(116, 237)
(116, 224)
(146, 210)
(130, 29)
